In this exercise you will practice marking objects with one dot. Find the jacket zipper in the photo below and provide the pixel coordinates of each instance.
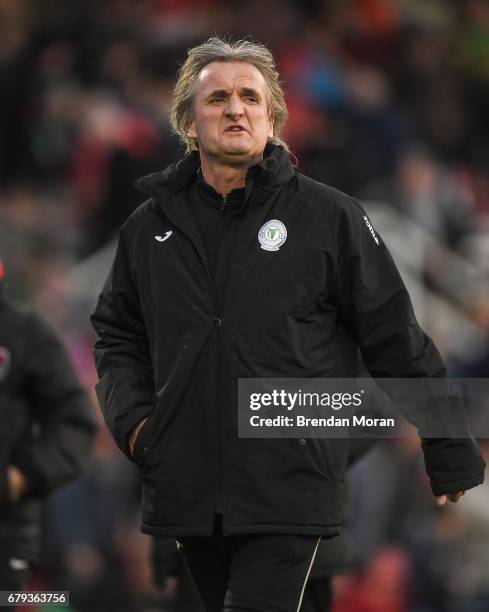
(219, 509)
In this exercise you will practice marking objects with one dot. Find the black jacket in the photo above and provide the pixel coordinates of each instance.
(166, 327)
(47, 424)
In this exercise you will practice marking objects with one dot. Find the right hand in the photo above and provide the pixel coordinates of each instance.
(134, 435)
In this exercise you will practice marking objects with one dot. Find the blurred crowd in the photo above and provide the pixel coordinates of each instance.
(388, 101)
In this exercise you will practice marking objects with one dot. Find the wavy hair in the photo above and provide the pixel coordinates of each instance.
(217, 50)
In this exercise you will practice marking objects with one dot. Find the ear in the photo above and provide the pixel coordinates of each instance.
(270, 122)
(191, 131)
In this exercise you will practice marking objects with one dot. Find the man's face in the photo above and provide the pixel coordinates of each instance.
(231, 120)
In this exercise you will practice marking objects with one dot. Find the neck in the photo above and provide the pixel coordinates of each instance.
(224, 177)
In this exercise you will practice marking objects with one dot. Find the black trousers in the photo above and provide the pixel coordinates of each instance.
(252, 573)
(317, 596)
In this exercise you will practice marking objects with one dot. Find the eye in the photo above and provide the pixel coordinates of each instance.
(252, 99)
(217, 99)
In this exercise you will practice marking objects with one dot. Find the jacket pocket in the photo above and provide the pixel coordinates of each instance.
(141, 445)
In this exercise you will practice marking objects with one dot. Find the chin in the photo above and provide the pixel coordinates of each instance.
(241, 148)
(240, 157)
(236, 154)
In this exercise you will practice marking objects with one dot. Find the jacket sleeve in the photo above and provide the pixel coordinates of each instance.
(122, 355)
(376, 309)
(59, 448)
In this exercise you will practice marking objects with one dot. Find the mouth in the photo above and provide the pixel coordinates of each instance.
(235, 128)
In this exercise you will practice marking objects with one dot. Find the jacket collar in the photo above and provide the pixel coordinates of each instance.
(271, 172)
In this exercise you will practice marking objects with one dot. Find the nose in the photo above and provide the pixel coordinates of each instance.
(234, 107)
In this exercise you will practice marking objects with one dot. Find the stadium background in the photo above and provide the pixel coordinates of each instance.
(388, 101)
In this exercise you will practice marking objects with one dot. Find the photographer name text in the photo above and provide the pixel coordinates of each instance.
(300, 420)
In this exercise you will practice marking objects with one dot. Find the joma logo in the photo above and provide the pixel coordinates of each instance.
(371, 229)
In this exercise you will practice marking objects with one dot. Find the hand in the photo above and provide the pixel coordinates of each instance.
(16, 482)
(441, 500)
(134, 435)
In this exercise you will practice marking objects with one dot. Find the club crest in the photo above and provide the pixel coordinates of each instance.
(272, 235)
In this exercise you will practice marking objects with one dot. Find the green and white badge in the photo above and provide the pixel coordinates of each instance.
(272, 235)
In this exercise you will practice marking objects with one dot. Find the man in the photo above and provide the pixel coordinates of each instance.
(46, 432)
(239, 266)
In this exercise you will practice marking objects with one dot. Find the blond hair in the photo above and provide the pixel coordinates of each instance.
(217, 50)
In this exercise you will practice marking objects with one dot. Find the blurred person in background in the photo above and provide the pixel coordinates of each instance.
(432, 194)
(46, 434)
(223, 273)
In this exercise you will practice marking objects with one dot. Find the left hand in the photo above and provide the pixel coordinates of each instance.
(441, 500)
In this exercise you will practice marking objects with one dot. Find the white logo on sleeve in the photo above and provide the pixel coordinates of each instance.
(272, 235)
(371, 229)
(165, 237)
